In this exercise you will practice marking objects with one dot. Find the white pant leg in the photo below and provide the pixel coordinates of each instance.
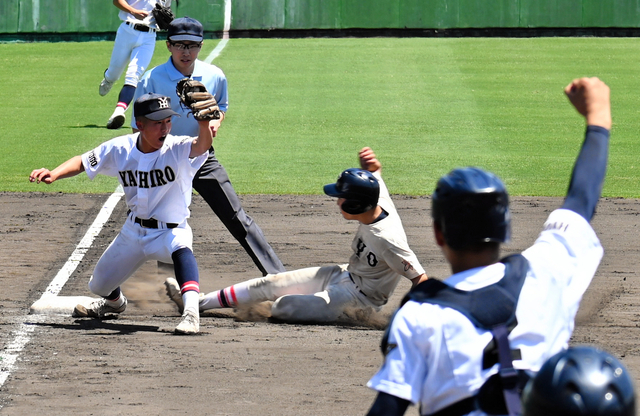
(131, 248)
(296, 282)
(126, 39)
(324, 305)
(118, 262)
(140, 58)
(160, 244)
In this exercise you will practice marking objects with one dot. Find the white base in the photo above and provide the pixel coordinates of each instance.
(58, 305)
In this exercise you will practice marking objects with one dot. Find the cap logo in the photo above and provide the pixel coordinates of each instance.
(163, 102)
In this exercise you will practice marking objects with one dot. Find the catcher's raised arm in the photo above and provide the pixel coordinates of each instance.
(194, 95)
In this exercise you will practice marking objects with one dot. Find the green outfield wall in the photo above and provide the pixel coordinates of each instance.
(97, 16)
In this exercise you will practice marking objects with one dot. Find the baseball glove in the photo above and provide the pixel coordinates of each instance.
(163, 16)
(194, 96)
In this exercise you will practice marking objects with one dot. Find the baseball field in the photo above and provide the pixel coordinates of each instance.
(300, 109)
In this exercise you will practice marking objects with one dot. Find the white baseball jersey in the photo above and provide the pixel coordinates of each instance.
(163, 80)
(381, 253)
(157, 184)
(437, 359)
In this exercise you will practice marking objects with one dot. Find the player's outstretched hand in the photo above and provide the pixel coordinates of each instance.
(41, 175)
(590, 96)
(368, 160)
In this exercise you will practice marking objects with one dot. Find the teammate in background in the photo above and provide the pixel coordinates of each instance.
(133, 50)
(435, 356)
(381, 257)
(184, 41)
(155, 169)
(580, 381)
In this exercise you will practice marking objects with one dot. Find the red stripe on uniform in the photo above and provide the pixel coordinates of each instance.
(190, 285)
(232, 291)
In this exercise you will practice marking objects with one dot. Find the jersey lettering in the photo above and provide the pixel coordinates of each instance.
(92, 159)
(169, 174)
(151, 179)
(144, 179)
(132, 179)
(159, 177)
(372, 259)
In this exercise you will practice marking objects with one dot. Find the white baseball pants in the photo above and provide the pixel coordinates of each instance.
(132, 50)
(131, 248)
(315, 294)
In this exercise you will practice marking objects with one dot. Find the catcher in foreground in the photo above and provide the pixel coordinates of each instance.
(194, 96)
(470, 352)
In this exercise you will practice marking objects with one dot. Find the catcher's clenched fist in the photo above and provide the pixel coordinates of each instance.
(590, 97)
(194, 95)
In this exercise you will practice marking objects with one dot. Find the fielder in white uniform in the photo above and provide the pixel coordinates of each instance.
(155, 170)
(381, 257)
(184, 42)
(435, 354)
(132, 50)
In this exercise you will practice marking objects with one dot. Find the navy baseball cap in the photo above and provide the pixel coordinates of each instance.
(185, 28)
(154, 107)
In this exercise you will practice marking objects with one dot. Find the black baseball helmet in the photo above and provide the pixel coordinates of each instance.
(471, 206)
(358, 187)
(581, 381)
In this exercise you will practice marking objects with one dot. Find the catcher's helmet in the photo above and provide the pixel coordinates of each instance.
(581, 381)
(471, 206)
(358, 187)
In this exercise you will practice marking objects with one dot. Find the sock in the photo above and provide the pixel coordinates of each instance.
(115, 298)
(186, 269)
(191, 299)
(126, 95)
(229, 297)
(190, 292)
(115, 295)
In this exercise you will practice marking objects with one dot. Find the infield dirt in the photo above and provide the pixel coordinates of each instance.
(241, 364)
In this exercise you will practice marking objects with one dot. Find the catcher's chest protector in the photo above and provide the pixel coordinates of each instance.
(492, 308)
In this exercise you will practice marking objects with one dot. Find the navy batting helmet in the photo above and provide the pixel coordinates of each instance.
(471, 206)
(358, 187)
(581, 381)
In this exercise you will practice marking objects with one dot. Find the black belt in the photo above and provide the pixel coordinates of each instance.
(354, 282)
(141, 28)
(152, 223)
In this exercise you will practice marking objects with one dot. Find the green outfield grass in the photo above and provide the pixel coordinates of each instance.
(300, 109)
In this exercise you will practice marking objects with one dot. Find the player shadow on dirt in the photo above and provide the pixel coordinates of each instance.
(89, 324)
(353, 318)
